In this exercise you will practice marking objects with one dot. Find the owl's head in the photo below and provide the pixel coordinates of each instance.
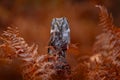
(59, 24)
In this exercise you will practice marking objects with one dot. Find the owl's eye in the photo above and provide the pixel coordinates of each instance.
(65, 27)
(53, 27)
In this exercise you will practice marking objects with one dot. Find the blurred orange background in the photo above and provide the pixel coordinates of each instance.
(33, 18)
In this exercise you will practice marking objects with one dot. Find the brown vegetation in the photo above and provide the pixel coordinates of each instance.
(20, 61)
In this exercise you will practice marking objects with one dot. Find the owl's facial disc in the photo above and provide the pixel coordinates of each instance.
(59, 21)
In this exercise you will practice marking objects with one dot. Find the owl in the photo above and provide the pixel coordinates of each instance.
(60, 36)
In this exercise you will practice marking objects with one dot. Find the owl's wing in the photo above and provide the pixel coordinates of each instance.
(68, 30)
(50, 44)
(52, 32)
(51, 39)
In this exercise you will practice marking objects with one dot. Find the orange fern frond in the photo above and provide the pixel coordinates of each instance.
(107, 45)
(34, 66)
(106, 69)
(108, 40)
(106, 19)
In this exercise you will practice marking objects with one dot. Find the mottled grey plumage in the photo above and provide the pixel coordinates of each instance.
(60, 36)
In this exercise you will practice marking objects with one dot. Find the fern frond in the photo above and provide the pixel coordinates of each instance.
(106, 69)
(34, 66)
(107, 45)
(106, 20)
(108, 40)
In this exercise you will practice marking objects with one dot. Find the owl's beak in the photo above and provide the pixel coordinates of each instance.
(56, 29)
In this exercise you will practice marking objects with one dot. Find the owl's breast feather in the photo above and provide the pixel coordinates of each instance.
(65, 34)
